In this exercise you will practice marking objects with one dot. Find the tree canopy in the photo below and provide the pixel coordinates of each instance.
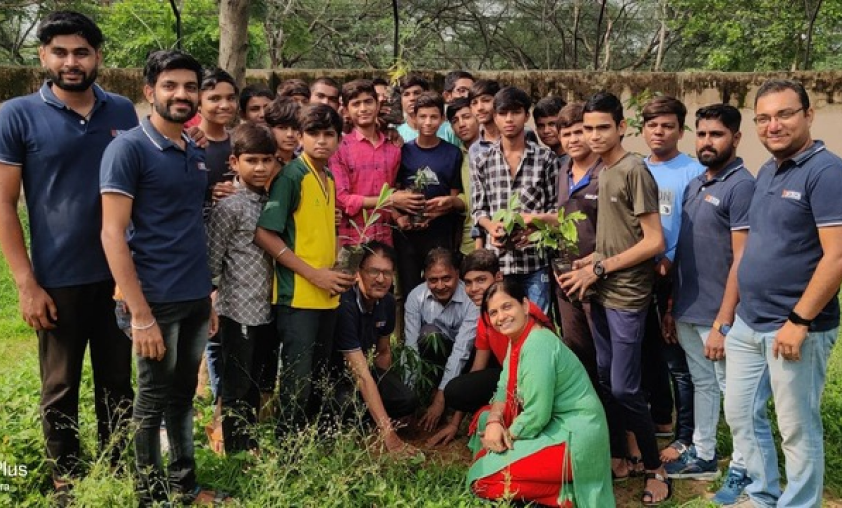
(668, 35)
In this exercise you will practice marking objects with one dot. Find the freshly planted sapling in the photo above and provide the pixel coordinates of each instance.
(351, 255)
(513, 223)
(422, 179)
(561, 238)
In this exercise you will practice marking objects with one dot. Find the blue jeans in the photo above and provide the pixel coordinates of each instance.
(708, 384)
(165, 389)
(537, 287)
(753, 376)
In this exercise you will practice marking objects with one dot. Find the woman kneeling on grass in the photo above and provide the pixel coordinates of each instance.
(544, 438)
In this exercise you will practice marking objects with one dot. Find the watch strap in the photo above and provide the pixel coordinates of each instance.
(798, 320)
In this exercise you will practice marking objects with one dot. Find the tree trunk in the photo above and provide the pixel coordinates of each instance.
(233, 37)
(662, 37)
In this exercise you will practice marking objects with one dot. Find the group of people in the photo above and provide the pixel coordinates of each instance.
(209, 229)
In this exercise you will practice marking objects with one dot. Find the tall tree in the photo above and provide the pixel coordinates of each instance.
(233, 37)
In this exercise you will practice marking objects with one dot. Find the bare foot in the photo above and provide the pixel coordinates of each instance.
(673, 452)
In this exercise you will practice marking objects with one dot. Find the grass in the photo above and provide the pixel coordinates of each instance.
(343, 469)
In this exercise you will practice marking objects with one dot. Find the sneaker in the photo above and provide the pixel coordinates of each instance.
(733, 488)
(689, 466)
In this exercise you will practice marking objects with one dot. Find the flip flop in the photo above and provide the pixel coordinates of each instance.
(646, 493)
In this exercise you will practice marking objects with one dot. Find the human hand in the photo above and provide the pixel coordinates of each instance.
(788, 341)
(148, 342)
(222, 190)
(213, 325)
(496, 438)
(583, 262)
(668, 328)
(444, 436)
(577, 282)
(496, 234)
(337, 216)
(438, 206)
(408, 201)
(403, 223)
(431, 418)
(715, 346)
(37, 307)
(331, 281)
(198, 136)
(394, 137)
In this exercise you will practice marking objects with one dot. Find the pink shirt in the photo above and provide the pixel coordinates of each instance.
(360, 169)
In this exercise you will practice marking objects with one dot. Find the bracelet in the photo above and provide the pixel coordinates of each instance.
(144, 327)
(281, 253)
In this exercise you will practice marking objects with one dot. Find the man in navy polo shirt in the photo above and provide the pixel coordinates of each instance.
(365, 322)
(788, 316)
(52, 142)
(714, 228)
(154, 178)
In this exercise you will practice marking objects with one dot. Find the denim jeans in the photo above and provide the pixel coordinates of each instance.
(753, 376)
(709, 385)
(537, 286)
(165, 389)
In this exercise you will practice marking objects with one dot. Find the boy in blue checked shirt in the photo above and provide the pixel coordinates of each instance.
(245, 282)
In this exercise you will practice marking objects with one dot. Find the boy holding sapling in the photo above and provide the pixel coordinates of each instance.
(243, 301)
(297, 228)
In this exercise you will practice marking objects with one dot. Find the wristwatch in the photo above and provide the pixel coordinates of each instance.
(599, 270)
(722, 328)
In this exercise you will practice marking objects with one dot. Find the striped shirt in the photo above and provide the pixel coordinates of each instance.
(457, 319)
(535, 181)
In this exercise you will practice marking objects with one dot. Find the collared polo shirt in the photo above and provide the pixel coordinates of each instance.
(711, 210)
(457, 319)
(359, 329)
(59, 153)
(581, 196)
(167, 186)
(360, 169)
(790, 204)
(301, 210)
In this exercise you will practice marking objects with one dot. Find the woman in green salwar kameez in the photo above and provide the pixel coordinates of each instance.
(544, 438)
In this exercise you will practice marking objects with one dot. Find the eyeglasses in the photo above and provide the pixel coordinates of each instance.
(375, 273)
(781, 116)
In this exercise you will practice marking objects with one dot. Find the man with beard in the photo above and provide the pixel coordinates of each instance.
(714, 228)
(65, 288)
(154, 178)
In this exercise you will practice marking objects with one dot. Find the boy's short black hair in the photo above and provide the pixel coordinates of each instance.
(375, 247)
(169, 60)
(452, 77)
(282, 112)
(291, 87)
(548, 107)
(481, 260)
(484, 87)
(214, 76)
(354, 89)
(252, 138)
(570, 115)
(320, 117)
(605, 102)
(250, 91)
(429, 100)
(664, 105)
(727, 114)
(69, 23)
(379, 82)
(511, 99)
(325, 80)
(411, 80)
(456, 105)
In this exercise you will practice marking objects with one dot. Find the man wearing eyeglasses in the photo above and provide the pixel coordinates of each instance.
(365, 322)
(788, 316)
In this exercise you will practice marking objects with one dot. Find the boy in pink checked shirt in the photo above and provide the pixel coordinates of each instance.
(365, 161)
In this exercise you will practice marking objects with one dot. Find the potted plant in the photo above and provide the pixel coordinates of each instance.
(422, 179)
(351, 255)
(513, 223)
(561, 238)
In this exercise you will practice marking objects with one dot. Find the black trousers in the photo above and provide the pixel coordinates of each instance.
(576, 333)
(398, 399)
(469, 392)
(85, 316)
(240, 380)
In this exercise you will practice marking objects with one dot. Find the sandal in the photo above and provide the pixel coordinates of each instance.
(635, 465)
(648, 494)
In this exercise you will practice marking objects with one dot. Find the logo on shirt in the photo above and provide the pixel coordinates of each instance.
(791, 194)
(712, 200)
(591, 196)
(201, 166)
(665, 199)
